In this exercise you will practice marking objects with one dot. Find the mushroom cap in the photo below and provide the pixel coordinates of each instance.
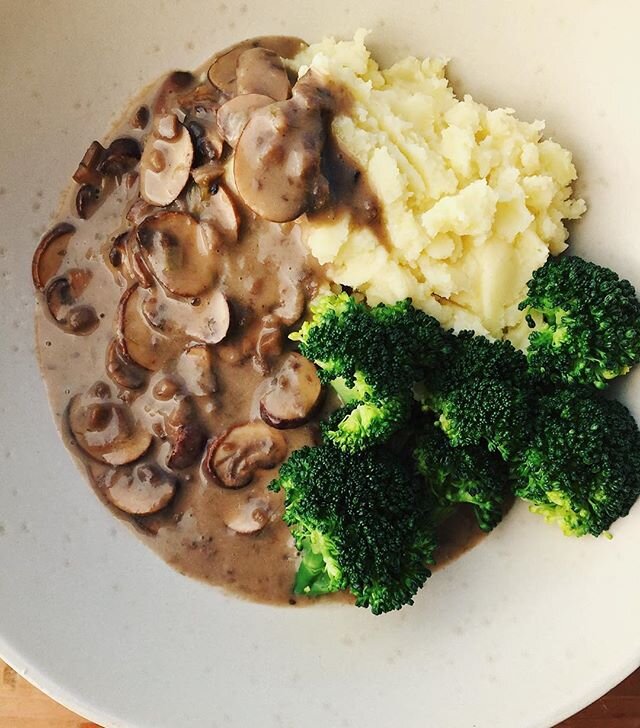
(233, 459)
(261, 71)
(139, 490)
(179, 251)
(222, 71)
(165, 165)
(63, 296)
(50, 253)
(122, 370)
(106, 430)
(294, 394)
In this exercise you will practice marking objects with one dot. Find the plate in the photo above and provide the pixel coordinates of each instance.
(524, 630)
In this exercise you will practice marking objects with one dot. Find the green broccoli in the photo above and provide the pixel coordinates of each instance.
(586, 323)
(581, 468)
(371, 357)
(481, 395)
(361, 523)
(463, 475)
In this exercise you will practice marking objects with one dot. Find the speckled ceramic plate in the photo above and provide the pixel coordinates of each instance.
(522, 631)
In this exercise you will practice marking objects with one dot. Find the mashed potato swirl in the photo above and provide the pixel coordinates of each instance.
(473, 200)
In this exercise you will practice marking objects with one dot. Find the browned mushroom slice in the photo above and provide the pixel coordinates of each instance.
(121, 369)
(63, 297)
(222, 72)
(195, 366)
(293, 395)
(261, 71)
(88, 199)
(292, 302)
(141, 117)
(206, 177)
(139, 490)
(87, 172)
(221, 211)
(107, 431)
(179, 251)
(172, 88)
(234, 114)
(140, 210)
(166, 161)
(120, 156)
(185, 434)
(277, 161)
(50, 253)
(204, 319)
(234, 458)
(248, 517)
(139, 342)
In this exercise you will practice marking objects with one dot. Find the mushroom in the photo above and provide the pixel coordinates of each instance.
(88, 199)
(195, 366)
(205, 319)
(175, 84)
(140, 210)
(141, 117)
(106, 430)
(293, 395)
(139, 490)
(220, 209)
(206, 139)
(179, 251)
(206, 177)
(261, 71)
(277, 161)
(62, 295)
(292, 302)
(248, 517)
(121, 369)
(222, 71)
(118, 249)
(234, 114)
(120, 156)
(185, 434)
(233, 459)
(50, 253)
(268, 342)
(138, 341)
(87, 172)
(166, 161)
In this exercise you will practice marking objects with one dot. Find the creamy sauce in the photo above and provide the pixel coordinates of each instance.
(267, 276)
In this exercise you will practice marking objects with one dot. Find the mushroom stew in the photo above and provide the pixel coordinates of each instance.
(166, 290)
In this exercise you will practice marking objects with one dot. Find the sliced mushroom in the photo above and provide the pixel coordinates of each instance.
(88, 200)
(248, 517)
(268, 343)
(63, 296)
(106, 430)
(185, 434)
(140, 210)
(234, 458)
(261, 71)
(175, 84)
(180, 252)
(293, 395)
(122, 370)
(292, 302)
(166, 388)
(50, 253)
(277, 161)
(118, 250)
(120, 156)
(233, 115)
(195, 366)
(141, 117)
(206, 177)
(206, 139)
(221, 210)
(222, 72)
(139, 490)
(87, 172)
(165, 164)
(140, 342)
(205, 319)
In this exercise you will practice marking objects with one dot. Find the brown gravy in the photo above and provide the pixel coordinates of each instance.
(267, 276)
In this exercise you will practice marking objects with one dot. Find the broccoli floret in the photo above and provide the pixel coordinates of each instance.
(463, 475)
(371, 357)
(587, 323)
(481, 395)
(582, 466)
(361, 523)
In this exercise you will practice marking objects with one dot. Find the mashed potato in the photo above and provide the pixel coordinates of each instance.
(473, 200)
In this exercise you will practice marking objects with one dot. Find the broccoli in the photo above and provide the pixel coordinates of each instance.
(463, 475)
(586, 323)
(371, 357)
(581, 468)
(361, 523)
(481, 394)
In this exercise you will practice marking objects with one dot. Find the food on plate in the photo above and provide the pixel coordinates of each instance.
(300, 325)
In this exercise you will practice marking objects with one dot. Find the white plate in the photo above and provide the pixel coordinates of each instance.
(523, 631)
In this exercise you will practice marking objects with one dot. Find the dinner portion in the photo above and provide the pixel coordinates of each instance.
(309, 327)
